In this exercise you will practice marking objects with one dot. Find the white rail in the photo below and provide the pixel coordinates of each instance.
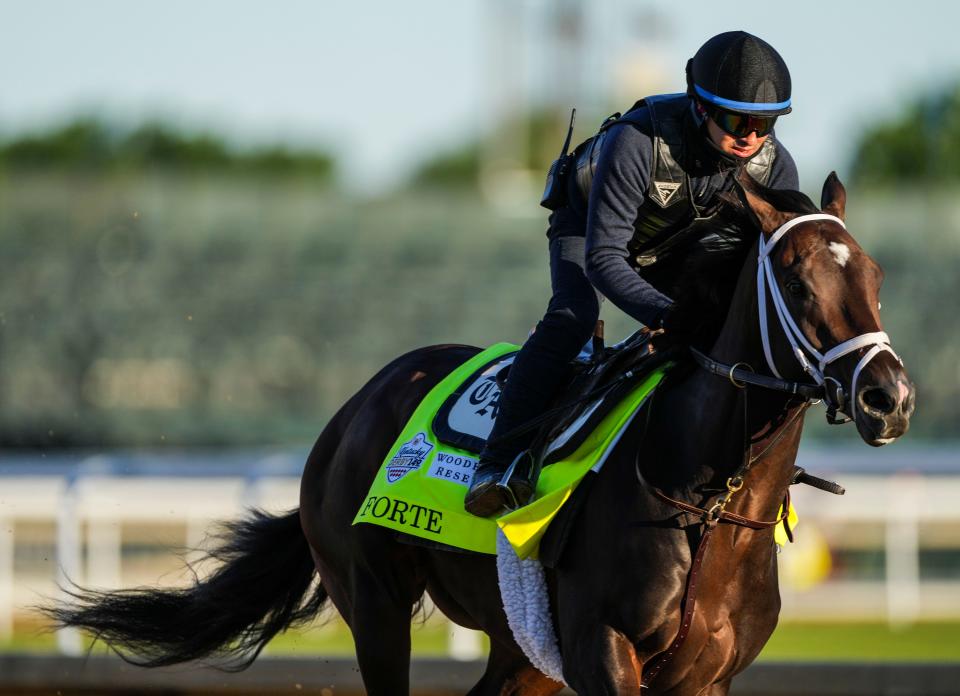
(90, 512)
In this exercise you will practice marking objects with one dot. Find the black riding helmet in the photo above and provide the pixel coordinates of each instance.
(736, 71)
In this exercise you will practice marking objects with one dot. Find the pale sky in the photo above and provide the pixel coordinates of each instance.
(385, 83)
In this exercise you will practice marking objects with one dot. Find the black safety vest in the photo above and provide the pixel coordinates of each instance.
(668, 214)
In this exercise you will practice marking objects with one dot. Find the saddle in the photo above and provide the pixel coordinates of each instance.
(596, 384)
(595, 387)
(432, 461)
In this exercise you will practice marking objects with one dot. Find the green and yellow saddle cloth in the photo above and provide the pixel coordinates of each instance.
(419, 490)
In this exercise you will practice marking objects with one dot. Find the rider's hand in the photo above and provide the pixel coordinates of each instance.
(675, 329)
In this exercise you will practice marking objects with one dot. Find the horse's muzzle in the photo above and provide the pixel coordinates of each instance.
(884, 410)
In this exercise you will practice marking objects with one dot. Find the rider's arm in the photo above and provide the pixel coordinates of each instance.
(618, 190)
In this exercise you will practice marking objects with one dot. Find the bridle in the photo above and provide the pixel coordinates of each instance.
(877, 341)
(813, 362)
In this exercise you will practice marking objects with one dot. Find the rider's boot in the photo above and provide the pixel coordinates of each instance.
(499, 485)
(535, 377)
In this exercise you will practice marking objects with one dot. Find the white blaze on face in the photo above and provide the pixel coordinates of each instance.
(841, 253)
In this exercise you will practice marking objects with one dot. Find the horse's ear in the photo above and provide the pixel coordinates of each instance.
(833, 200)
(768, 218)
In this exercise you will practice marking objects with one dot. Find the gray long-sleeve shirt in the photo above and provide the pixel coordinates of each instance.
(619, 188)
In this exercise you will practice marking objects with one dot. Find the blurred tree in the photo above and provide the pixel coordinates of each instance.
(93, 145)
(457, 169)
(157, 145)
(543, 133)
(83, 143)
(920, 145)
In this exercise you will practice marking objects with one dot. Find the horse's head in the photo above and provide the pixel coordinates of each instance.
(818, 296)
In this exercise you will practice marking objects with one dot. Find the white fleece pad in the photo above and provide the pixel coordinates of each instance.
(523, 588)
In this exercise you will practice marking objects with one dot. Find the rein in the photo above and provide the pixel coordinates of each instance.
(742, 374)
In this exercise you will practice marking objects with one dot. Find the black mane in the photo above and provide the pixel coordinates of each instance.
(787, 201)
(706, 283)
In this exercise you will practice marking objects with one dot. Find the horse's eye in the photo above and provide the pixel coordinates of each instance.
(795, 288)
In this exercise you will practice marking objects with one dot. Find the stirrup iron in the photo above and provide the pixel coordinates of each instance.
(504, 483)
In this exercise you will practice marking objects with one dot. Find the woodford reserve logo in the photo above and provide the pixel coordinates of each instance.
(453, 467)
(409, 457)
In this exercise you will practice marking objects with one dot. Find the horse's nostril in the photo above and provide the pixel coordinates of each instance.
(879, 400)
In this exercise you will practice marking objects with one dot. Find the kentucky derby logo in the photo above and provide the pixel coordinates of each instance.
(409, 457)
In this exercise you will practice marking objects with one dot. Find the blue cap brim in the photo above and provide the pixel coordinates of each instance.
(757, 108)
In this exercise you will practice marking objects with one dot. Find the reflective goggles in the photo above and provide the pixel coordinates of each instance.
(741, 125)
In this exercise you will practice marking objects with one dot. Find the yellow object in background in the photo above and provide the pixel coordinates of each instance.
(808, 562)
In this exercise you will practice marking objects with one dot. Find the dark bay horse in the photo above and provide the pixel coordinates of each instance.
(619, 585)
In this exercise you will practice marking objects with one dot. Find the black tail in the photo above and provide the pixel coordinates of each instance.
(262, 587)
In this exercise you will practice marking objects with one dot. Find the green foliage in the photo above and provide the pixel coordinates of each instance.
(154, 144)
(921, 145)
(85, 143)
(456, 169)
(530, 143)
(90, 145)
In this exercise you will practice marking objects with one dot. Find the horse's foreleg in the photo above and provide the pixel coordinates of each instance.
(509, 673)
(719, 689)
(599, 661)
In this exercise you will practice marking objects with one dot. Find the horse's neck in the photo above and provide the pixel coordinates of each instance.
(710, 440)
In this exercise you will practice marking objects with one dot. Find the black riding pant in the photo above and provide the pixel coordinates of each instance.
(543, 363)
